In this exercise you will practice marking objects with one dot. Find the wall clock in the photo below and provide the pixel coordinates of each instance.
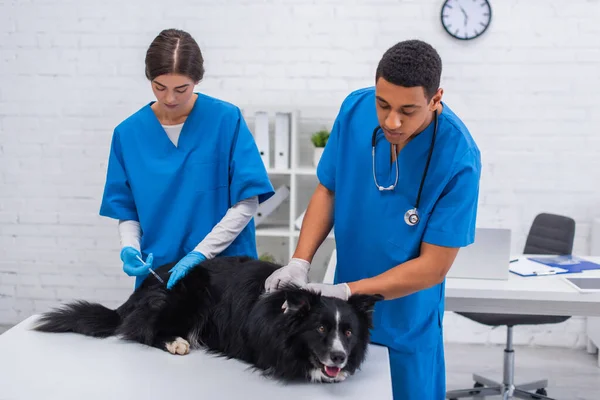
(466, 19)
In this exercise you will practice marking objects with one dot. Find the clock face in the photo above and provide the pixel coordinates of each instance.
(466, 19)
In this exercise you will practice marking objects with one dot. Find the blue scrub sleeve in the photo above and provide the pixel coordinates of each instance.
(117, 200)
(247, 173)
(452, 222)
(327, 164)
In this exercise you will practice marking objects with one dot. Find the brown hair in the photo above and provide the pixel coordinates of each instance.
(174, 51)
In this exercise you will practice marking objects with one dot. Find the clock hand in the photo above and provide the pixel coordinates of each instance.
(465, 14)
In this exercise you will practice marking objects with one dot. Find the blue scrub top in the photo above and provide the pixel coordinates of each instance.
(179, 193)
(371, 235)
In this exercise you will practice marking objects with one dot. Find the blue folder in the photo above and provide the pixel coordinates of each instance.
(568, 262)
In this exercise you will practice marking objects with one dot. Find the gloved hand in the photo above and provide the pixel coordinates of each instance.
(296, 272)
(184, 266)
(341, 290)
(133, 265)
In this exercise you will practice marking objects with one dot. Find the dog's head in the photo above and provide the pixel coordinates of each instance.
(335, 333)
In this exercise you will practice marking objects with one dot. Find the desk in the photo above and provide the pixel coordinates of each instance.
(36, 365)
(540, 295)
(593, 323)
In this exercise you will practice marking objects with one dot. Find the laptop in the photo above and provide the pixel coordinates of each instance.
(486, 258)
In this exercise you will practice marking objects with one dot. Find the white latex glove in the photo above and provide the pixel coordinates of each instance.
(296, 272)
(341, 290)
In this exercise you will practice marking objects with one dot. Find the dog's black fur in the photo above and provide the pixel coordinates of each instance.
(221, 306)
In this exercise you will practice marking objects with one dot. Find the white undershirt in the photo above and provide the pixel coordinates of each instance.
(217, 240)
(173, 132)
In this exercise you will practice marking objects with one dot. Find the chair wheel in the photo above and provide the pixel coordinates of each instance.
(541, 391)
(475, 386)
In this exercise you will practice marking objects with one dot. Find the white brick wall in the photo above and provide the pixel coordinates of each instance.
(71, 70)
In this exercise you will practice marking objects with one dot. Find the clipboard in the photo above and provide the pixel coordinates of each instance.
(526, 267)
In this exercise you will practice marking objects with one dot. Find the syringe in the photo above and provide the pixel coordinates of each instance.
(153, 273)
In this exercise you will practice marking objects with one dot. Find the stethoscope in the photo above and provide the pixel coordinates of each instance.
(411, 217)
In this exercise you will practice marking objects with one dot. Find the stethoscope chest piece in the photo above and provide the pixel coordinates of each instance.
(411, 217)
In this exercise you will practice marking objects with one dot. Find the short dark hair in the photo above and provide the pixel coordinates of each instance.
(174, 51)
(411, 63)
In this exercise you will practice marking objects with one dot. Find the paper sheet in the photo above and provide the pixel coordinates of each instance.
(527, 267)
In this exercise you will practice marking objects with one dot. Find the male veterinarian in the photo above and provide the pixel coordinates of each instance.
(404, 200)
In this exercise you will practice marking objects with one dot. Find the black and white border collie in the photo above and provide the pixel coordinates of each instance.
(221, 307)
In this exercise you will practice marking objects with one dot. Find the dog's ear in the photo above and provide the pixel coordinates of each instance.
(364, 303)
(298, 301)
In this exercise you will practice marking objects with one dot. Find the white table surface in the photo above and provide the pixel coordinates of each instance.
(36, 365)
(540, 295)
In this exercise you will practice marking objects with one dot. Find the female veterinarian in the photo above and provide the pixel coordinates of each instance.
(184, 174)
(400, 178)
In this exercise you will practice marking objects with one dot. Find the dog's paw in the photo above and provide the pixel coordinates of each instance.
(178, 346)
(342, 376)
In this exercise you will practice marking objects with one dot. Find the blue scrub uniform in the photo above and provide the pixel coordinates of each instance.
(372, 237)
(179, 193)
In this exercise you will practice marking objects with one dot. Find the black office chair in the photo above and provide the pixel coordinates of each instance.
(549, 234)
